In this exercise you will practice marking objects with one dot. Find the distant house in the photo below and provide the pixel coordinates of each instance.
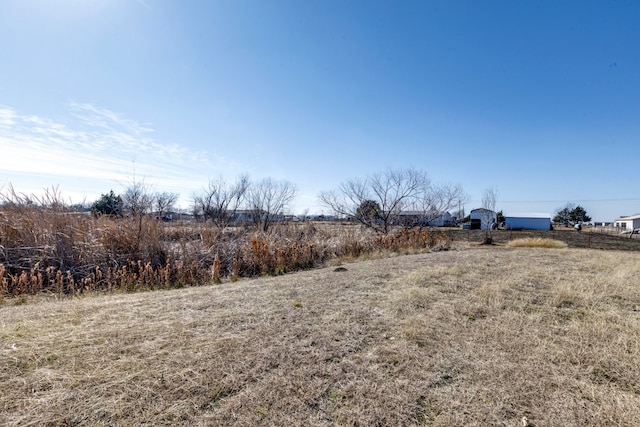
(182, 216)
(628, 222)
(481, 219)
(172, 216)
(530, 221)
(425, 219)
(247, 216)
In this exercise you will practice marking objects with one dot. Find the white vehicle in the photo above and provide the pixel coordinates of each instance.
(634, 231)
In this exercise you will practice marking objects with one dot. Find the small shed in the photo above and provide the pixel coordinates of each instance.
(628, 222)
(528, 221)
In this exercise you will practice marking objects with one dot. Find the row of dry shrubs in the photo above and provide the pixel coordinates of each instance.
(53, 250)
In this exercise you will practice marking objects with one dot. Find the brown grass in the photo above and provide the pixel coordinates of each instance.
(536, 242)
(470, 337)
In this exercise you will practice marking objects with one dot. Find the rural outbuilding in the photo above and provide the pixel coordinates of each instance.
(481, 219)
(528, 221)
(628, 222)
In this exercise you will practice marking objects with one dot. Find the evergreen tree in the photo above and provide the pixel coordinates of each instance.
(368, 210)
(571, 214)
(579, 214)
(108, 204)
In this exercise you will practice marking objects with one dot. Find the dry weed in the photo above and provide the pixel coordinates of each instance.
(536, 242)
(47, 248)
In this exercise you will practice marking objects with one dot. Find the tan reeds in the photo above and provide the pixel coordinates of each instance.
(47, 247)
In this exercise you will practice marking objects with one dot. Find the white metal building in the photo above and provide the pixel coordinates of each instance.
(628, 222)
(528, 221)
(482, 218)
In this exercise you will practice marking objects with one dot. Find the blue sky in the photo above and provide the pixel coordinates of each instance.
(539, 100)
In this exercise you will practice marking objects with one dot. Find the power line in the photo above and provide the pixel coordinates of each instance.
(564, 201)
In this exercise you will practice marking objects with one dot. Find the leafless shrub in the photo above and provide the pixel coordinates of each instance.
(220, 201)
(268, 200)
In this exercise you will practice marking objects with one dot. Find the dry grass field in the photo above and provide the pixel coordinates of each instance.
(473, 336)
(587, 239)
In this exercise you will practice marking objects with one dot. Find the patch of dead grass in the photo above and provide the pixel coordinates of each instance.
(536, 242)
(470, 337)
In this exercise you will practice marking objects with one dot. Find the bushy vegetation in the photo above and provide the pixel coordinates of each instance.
(46, 247)
(108, 204)
(571, 214)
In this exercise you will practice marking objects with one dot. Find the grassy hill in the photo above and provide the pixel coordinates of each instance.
(474, 336)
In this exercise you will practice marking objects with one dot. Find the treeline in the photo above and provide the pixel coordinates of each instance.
(261, 202)
(378, 202)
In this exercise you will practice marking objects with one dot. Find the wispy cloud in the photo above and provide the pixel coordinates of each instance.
(98, 146)
(7, 118)
(107, 119)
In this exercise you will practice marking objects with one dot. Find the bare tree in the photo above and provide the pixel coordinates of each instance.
(221, 200)
(438, 200)
(401, 197)
(268, 201)
(489, 200)
(164, 202)
(137, 199)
